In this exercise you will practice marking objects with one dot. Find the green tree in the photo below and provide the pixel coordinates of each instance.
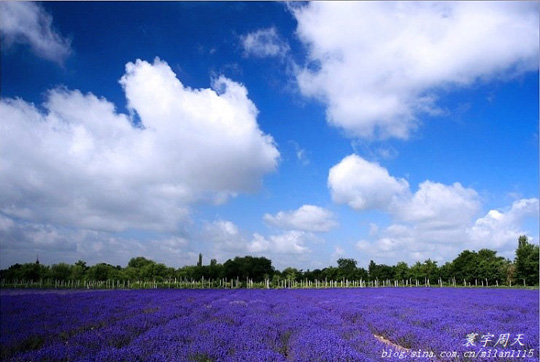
(13, 273)
(416, 272)
(139, 262)
(526, 261)
(430, 270)
(154, 272)
(61, 271)
(490, 266)
(78, 271)
(380, 272)
(330, 273)
(199, 263)
(445, 272)
(313, 275)
(189, 272)
(214, 270)
(34, 271)
(372, 270)
(346, 268)
(101, 272)
(255, 268)
(290, 273)
(464, 267)
(140, 268)
(401, 271)
(509, 271)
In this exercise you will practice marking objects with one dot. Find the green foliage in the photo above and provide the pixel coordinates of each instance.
(472, 267)
(401, 271)
(139, 262)
(380, 272)
(490, 266)
(79, 270)
(28, 272)
(248, 267)
(430, 270)
(61, 271)
(479, 267)
(101, 272)
(464, 266)
(199, 263)
(526, 261)
(290, 273)
(346, 268)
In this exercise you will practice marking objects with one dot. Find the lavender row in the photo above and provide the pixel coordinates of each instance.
(271, 325)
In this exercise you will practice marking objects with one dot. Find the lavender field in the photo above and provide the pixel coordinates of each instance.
(370, 324)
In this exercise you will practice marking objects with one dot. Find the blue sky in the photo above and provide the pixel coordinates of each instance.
(393, 131)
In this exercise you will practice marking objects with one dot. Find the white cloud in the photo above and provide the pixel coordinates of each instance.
(379, 65)
(421, 239)
(339, 252)
(6, 223)
(364, 185)
(439, 206)
(170, 245)
(285, 249)
(258, 244)
(302, 157)
(499, 229)
(301, 154)
(224, 236)
(87, 166)
(28, 23)
(306, 218)
(226, 240)
(264, 43)
(290, 242)
(23, 241)
(437, 221)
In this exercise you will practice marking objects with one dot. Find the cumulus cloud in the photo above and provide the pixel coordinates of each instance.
(439, 206)
(306, 218)
(338, 253)
(298, 228)
(499, 229)
(378, 66)
(410, 244)
(80, 163)
(224, 236)
(364, 185)
(290, 242)
(23, 241)
(264, 43)
(226, 240)
(301, 153)
(436, 221)
(28, 23)
(419, 240)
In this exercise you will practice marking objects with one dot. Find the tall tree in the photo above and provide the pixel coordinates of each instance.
(401, 270)
(464, 267)
(347, 268)
(490, 266)
(199, 263)
(139, 262)
(78, 272)
(527, 261)
(61, 271)
(255, 268)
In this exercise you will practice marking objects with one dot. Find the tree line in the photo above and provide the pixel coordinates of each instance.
(483, 267)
